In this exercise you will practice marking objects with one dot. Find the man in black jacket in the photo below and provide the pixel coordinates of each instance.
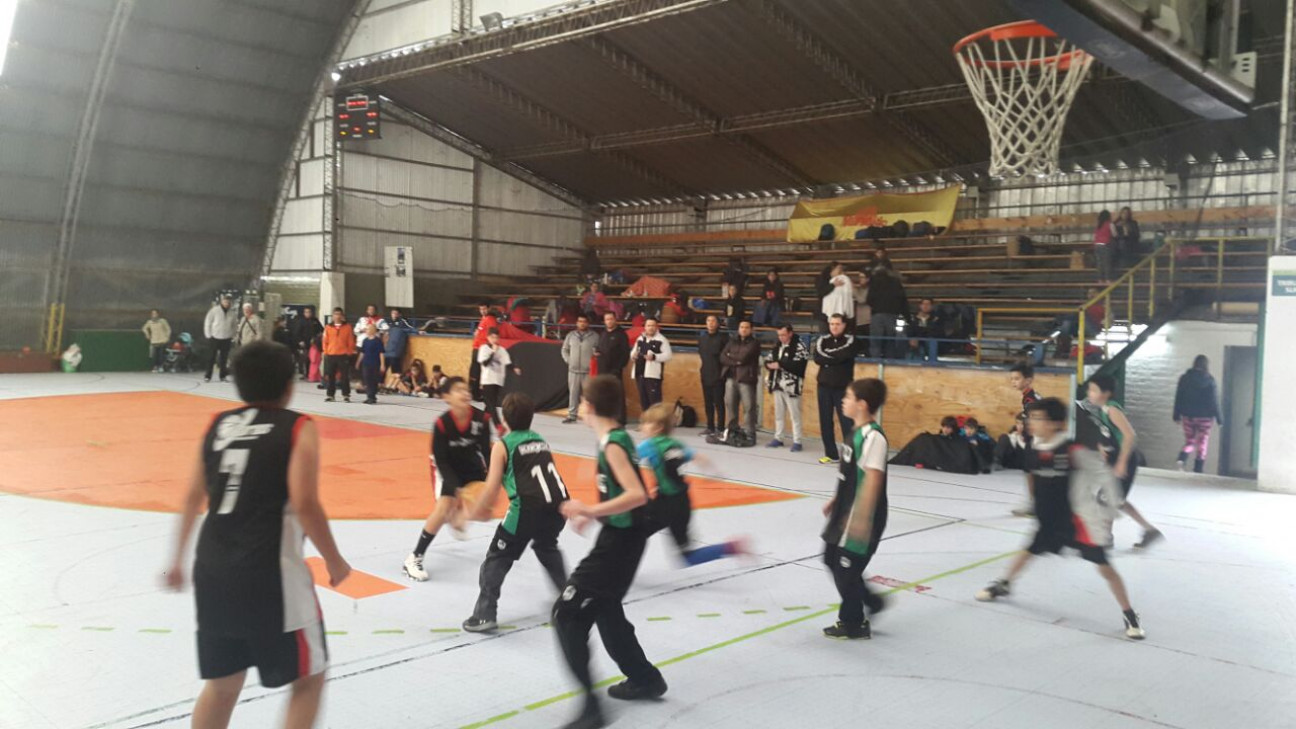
(887, 300)
(785, 367)
(613, 352)
(835, 354)
(740, 361)
(710, 344)
(303, 331)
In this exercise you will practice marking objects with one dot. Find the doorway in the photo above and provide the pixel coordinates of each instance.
(1237, 437)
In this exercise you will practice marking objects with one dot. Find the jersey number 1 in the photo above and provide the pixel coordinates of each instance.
(233, 463)
(538, 473)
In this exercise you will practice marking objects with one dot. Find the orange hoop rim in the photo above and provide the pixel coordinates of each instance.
(1013, 31)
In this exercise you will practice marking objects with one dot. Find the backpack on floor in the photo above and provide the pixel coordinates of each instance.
(685, 415)
(920, 229)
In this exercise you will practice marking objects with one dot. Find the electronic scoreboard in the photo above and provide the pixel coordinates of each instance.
(357, 115)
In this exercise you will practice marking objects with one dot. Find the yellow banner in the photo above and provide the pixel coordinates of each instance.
(849, 214)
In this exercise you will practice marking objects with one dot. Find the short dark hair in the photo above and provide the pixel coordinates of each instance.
(339, 310)
(449, 384)
(582, 316)
(838, 316)
(1023, 369)
(486, 304)
(396, 309)
(785, 327)
(1052, 408)
(492, 330)
(435, 368)
(652, 319)
(603, 393)
(971, 423)
(927, 298)
(949, 421)
(872, 391)
(1106, 383)
(263, 371)
(519, 409)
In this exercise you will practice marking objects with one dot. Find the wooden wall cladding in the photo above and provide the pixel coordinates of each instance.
(454, 354)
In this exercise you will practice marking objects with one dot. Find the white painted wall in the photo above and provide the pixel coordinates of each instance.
(1277, 426)
(1152, 375)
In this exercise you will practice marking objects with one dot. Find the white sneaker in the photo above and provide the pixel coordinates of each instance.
(1133, 629)
(414, 568)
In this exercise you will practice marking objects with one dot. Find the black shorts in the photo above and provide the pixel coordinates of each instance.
(1053, 541)
(540, 527)
(1127, 483)
(279, 659)
(672, 512)
(444, 488)
(610, 567)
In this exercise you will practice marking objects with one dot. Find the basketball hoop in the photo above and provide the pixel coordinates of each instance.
(1024, 78)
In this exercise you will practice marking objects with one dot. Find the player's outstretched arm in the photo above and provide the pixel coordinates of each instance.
(175, 574)
(494, 482)
(303, 494)
(634, 495)
(861, 521)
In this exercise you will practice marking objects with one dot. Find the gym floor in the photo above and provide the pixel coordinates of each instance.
(91, 468)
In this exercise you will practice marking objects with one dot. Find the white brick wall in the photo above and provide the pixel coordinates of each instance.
(1152, 375)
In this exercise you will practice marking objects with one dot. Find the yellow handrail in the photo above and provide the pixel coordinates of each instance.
(54, 329)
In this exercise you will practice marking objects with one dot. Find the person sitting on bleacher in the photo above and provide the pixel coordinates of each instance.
(595, 303)
(924, 330)
(769, 312)
(734, 306)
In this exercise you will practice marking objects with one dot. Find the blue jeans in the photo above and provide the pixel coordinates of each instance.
(926, 350)
(768, 313)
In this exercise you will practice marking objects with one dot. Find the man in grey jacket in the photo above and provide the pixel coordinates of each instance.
(577, 351)
(219, 328)
(249, 327)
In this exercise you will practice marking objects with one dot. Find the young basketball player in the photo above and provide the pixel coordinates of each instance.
(257, 474)
(461, 437)
(1022, 378)
(1070, 513)
(1121, 453)
(672, 508)
(857, 514)
(522, 465)
(595, 589)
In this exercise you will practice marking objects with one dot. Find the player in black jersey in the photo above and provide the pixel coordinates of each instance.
(258, 474)
(522, 465)
(460, 442)
(595, 589)
(857, 514)
(1022, 377)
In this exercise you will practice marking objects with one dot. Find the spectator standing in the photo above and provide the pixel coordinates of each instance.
(158, 333)
(339, 353)
(316, 357)
(740, 361)
(487, 322)
(887, 300)
(710, 344)
(219, 328)
(372, 362)
(371, 316)
(280, 334)
(773, 300)
(863, 314)
(613, 351)
(784, 379)
(249, 327)
(736, 273)
(650, 353)
(303, 331)
(577, 351)
(924, 329)
(495, 364)
(397, 340)
(1125, 237)
(1103, 255)
(835, 354)
(734, 306)
(823, 287)
(1196, 408)
(841, 297)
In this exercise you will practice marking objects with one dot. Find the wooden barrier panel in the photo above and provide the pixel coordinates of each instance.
(919, 396)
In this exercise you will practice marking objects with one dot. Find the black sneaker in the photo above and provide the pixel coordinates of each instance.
(1150, 537)
(993, 591)
(479, 625)
(1133, 630)
(631, 691)
(874, 603)
(842, 631)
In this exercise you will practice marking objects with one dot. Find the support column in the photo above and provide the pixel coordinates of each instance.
(475, 235)
(1277, 468)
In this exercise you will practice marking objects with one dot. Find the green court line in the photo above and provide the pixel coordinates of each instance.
(708, 615)
(742, 638)
(754, 612)
(508, 627)
(795, 608)
(98, 628)
(335, 632)
(389, 631)
(160, 631)
(445, 630)
(657, 619)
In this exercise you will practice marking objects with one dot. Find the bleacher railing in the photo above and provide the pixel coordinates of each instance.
(1151, 282)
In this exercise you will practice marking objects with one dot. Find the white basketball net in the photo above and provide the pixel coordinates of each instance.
(1024, 87)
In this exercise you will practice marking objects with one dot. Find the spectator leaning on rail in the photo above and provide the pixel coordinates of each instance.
(249, 327)
(784, 378)
(650, 353)
(158, 333)
(303, 331)
(711, 343)
(835, 354)
(577, 350)
(219, 327)
(887, 300)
